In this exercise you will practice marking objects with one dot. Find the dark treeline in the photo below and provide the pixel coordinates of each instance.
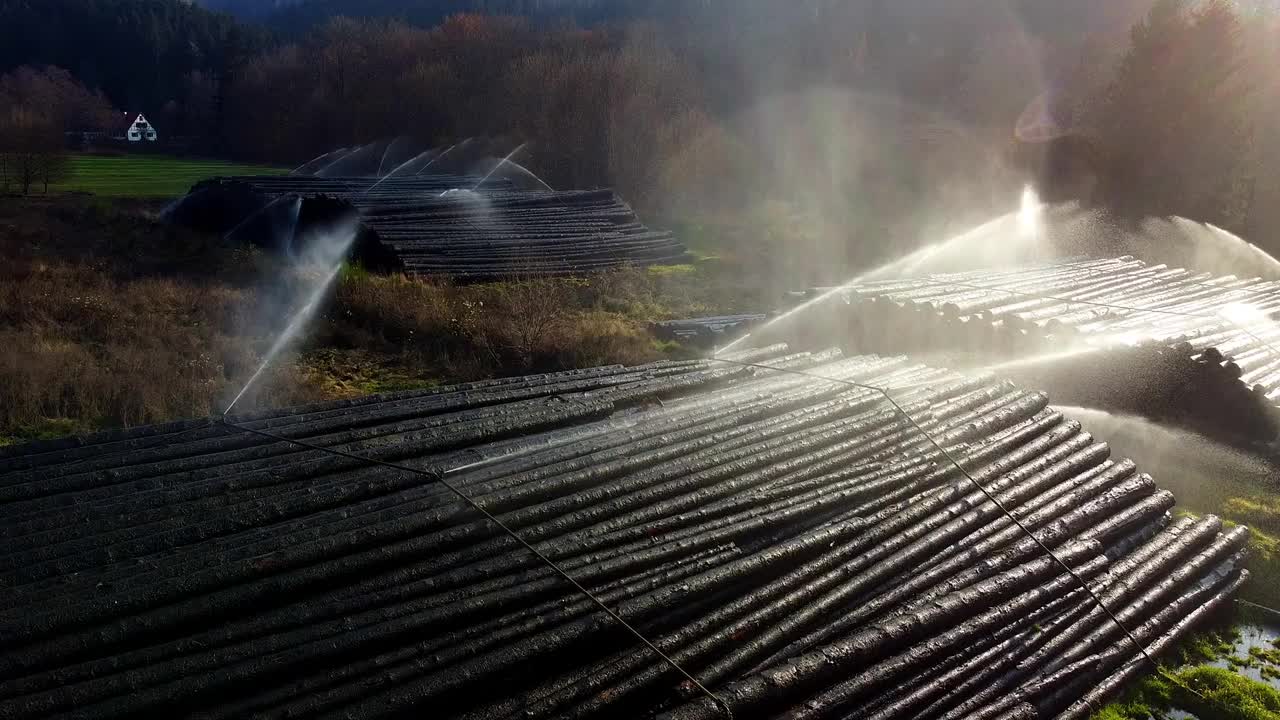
(299, 16)
(858, 114)
(876, 122)
(1188, 124)
(40, 104)
(142, 54)
(596, 107)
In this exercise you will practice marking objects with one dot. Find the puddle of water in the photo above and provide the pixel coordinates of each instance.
(1256, 628)
(1259, 629)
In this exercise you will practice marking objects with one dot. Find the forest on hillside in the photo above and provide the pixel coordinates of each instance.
(881, 122)
(295, 16)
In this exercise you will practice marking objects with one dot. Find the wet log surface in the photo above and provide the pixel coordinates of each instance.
(1116, 334)
(794, 543)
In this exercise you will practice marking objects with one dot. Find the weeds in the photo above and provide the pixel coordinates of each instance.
(474, 331)
(109, 319)
(81, 347)
(1259, 512)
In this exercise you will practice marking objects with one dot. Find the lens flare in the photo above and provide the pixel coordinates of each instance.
(1244, 314)
(1030, 214)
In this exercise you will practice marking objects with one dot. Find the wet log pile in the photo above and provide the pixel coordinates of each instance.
(1115, 333)
(428, 226)
(796, 544)
(707, 331)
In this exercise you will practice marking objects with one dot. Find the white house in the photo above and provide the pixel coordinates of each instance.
(141, 130)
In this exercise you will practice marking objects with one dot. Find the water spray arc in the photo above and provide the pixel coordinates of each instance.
(501, 162)
(345, 156)
(1029, 220)
(168, 211)
(233, 231)
(793, 312)
(448, 150)
(318, 159)
(292, 236)
(396, 170)
(529, 173)
(383, 161)
(1030, 215)
(329, 251)
(1255, 252)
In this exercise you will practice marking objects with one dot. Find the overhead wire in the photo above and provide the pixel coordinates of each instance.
(956, 463)
(442, 478)
(1142, 650)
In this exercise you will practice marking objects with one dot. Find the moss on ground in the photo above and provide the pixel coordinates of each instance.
(685, 269)
(668, 347)
(1218, 692)
(44, 429)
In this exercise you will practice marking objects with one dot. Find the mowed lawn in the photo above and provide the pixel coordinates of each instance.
(148, 176)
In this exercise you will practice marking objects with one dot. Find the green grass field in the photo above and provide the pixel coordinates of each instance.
(148, 176)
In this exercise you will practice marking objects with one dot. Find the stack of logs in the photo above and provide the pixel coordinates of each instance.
(1115, 334)
(707, 331)
(796, 544)
(434, 225)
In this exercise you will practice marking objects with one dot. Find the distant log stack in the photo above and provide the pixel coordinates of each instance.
(1115, 334)
(794, 543)
(435, 225)
(706, 332)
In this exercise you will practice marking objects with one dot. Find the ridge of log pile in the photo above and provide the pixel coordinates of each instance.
(794, 543)
(425, 226)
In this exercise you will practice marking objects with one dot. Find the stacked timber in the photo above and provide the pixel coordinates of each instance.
(796, 543)
(434, 225)
(1115, 333)
(707, 331)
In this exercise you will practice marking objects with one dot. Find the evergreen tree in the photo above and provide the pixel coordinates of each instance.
(1220, 118)
(1177, 120)
(1263, 42)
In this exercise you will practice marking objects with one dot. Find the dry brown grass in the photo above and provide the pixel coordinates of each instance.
(474, 331)
(81, 344)
(109, 319)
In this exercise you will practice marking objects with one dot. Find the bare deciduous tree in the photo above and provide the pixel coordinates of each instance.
(40, 105)
(30, 146)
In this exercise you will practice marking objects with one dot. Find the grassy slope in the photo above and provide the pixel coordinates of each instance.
(147, 176)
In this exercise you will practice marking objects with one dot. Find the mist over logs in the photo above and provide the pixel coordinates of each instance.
(1117, 334)
(436, 225)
